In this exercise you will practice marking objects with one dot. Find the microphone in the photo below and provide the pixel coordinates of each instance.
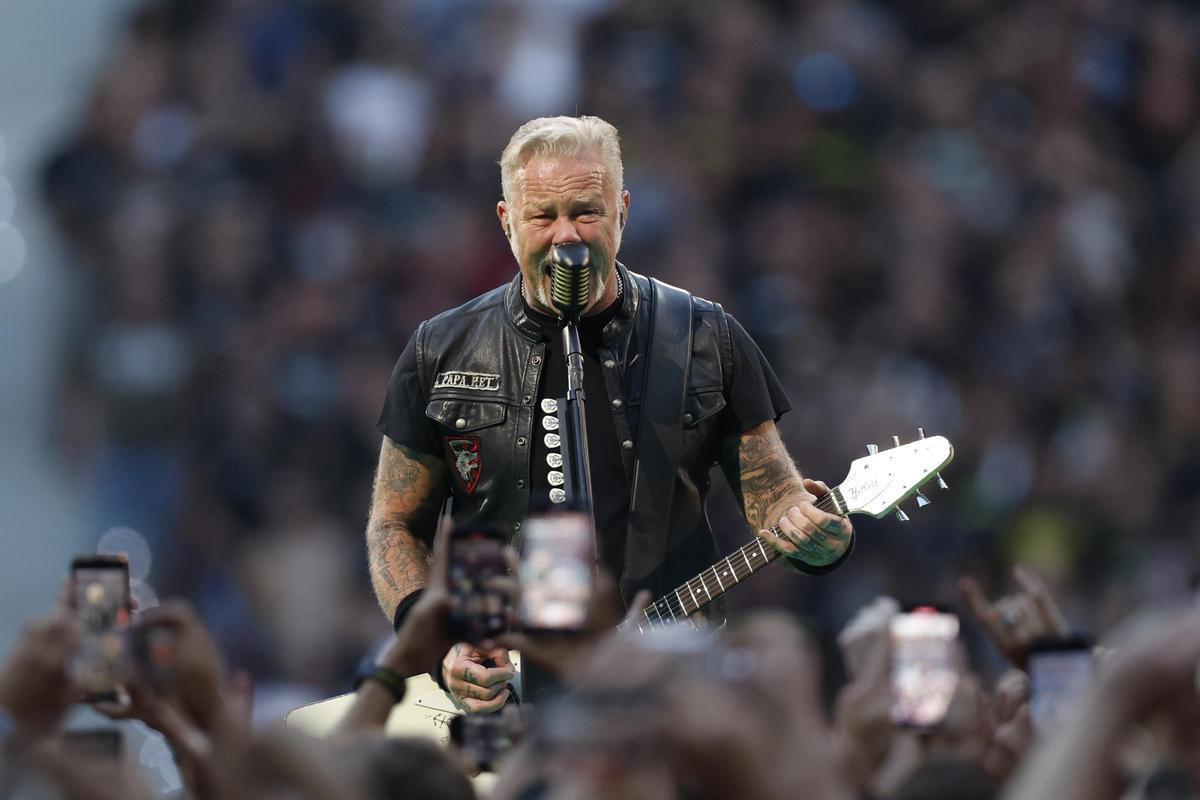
(570, 279)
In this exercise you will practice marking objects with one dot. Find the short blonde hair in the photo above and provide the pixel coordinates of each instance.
(561, 136)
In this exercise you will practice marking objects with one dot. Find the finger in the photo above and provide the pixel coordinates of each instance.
(482, 676)
(463, 690)
(641, 601)
(978, 606)
(500, 658)
(486, 706)
(816, 488)
(779, 542)
(1033, 585)
(821, 520)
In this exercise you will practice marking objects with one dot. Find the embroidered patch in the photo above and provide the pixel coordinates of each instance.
(474, 381)
(468, 462)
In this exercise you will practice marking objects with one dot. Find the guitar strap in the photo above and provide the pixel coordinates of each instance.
(664, 389)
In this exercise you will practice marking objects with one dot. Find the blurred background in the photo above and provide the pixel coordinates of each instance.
(974, 216)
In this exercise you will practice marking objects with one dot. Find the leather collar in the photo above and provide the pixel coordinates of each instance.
(614, 331)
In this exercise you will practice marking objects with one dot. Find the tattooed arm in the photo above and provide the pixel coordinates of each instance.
(408, 494)
(772, 492)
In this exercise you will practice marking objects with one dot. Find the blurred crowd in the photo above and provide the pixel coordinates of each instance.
(975, 216)
(669, 713)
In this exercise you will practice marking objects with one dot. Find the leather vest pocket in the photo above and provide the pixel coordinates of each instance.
(700, 406)
(464, 416)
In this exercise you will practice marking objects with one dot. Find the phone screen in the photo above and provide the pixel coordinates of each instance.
(555, 572)
(476, 556)
(100, 595)
(925, 666)
(1056, 677)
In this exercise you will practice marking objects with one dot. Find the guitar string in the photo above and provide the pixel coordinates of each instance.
(672, 602)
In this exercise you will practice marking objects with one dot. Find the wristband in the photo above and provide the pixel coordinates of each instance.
(405, 606)
(393, 681)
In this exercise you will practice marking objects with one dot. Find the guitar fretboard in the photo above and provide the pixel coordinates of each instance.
(713, 582)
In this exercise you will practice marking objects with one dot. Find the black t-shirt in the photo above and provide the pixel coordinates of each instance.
(755, 396)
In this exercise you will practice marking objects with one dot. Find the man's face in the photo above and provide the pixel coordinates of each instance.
(565, 201)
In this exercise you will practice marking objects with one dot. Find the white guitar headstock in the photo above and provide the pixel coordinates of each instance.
(879, 482)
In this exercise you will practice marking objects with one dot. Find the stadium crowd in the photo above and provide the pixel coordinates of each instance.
(996, 201)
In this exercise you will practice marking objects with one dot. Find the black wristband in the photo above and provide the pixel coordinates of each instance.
(405, 606)
(388, 677)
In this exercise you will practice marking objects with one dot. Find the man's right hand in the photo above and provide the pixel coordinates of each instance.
(478, 689)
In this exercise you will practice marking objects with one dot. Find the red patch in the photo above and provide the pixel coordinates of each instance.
(467, 460)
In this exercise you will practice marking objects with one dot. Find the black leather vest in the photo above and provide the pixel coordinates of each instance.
(480, 365)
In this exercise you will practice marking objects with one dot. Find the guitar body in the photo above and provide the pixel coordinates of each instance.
(426, 711)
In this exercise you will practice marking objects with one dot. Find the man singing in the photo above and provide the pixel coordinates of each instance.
(470, 410)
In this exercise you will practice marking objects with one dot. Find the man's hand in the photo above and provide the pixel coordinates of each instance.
(772, 493)
(476, 687)
(809, 534)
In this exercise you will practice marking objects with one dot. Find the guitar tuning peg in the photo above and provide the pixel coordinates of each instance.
(921, 433)
(872, 449)
(896, 440)
(941, 483)
(900, 515)
(922, 500)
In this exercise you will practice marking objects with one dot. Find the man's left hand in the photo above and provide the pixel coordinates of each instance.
(808, 534)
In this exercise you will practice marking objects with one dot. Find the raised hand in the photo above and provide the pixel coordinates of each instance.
(35, 687)
(1016, 620)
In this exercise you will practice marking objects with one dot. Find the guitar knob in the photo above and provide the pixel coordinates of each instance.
(872, 449)
(922, 500)
(900, 515)
(896, 440)
(941, 483)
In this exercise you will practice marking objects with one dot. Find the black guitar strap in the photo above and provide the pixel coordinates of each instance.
(664, 389)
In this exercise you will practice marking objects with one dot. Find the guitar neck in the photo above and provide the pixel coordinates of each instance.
(695, 594)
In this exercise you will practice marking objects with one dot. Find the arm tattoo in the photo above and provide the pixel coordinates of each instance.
(762, 475)
(409, 490)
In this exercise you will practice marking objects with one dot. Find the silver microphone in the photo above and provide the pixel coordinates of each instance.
(570, 279)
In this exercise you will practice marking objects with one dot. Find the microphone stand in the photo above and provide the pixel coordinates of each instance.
(573, 419)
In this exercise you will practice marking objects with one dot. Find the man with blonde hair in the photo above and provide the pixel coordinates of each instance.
(470, 409)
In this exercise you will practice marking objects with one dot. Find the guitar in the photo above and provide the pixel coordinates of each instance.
(876, 484)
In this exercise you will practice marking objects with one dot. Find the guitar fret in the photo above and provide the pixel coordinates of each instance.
(748, 564)
(704, 586)
(669, 611)
(695, 602)
(761, 550)
(682, 605)
(718, 577)
(732, 571)
(658, 611)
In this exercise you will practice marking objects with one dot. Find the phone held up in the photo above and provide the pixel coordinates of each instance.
(101, 602)
(1060, 668)
(555, 572)
(480, 609)
(925, 666)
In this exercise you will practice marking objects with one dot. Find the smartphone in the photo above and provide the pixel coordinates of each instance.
(100, 598)
(555, 572)
(925, 666)
(1059, 670)
(98, 743)
(479, 611)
